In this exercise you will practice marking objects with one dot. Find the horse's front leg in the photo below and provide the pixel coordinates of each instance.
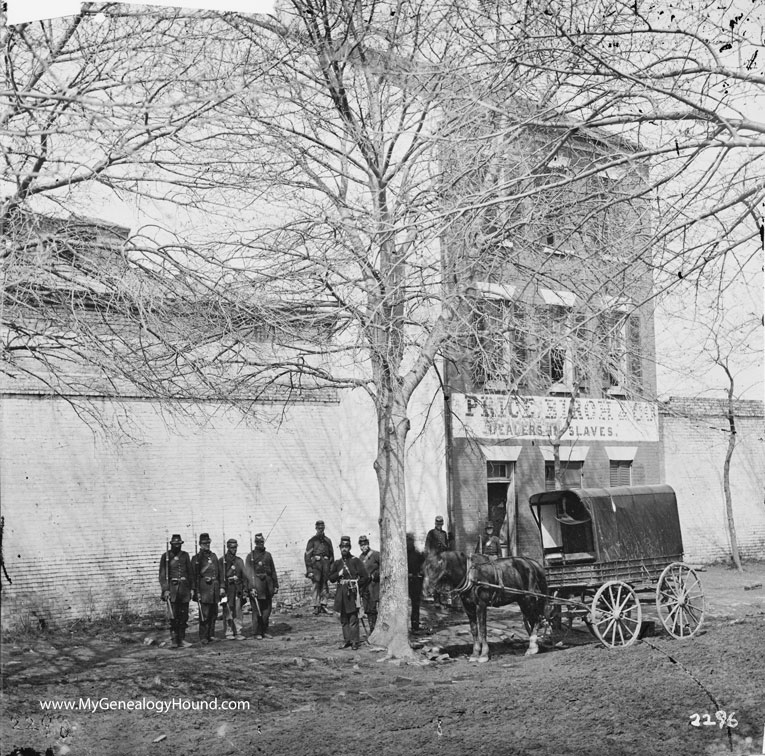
(470, 610)
(532, 620)
(484, 644)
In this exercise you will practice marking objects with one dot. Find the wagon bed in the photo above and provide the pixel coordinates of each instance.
(601, 546)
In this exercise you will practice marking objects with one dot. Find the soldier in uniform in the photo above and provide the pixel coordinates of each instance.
(371, 595)
(319, 556)
(263, 585)
(488, 543)
(414, 563)
(176, 577)
(233, 583)
(437, 539)
(349, 571)
(207, 588)
(436, 542)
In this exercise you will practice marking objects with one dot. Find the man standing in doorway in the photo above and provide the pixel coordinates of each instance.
(488, 543)
(176, 578)
(349, 571)
(264, 585)
(207, 588)
(233, 584)
(319, 556)
(371, 595)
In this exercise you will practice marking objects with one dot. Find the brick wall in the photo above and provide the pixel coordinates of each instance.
(87, 513)
(695, 438)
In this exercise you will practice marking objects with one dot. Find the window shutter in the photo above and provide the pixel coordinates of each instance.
(620, 473)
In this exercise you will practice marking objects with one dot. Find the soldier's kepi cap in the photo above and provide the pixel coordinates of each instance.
(439, 519)
(489, 524)
(259, 537)
(204, 537)
(363, 539)
(232, 542)
(319, 523)
(176, 538)
(345, 540)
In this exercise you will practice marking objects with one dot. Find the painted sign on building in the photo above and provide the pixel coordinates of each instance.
(518, 417)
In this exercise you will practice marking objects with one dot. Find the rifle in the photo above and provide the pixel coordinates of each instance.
(277, 520)
(252, 590)
(196, 572)
(223, 571)
(168, 603)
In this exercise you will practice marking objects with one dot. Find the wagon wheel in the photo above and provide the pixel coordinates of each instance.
(616, 615)
(680, 601)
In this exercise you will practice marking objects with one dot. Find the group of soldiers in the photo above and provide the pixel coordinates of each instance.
(211, 581)
(358, 581)
(230, 581)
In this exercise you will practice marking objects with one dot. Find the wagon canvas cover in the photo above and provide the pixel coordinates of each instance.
(633, 522)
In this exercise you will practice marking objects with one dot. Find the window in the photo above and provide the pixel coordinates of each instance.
(500, 356)
(563, 353)
(498, 470)
(619, 347)
(620, 472)
(571, 471)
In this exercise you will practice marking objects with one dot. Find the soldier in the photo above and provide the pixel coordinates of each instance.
(436, 542)
(414, 563)
(371, 595)
(437, 539)
(488, 544)
(349, 571)
(263, 585)
(176, 577)
(319, 556)
(233, 583)
(207, 588)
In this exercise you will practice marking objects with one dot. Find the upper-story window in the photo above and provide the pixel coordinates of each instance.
(619, 347)
(552, 345)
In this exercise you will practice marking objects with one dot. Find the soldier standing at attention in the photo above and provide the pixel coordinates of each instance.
(488, 543)
(263, 584)
(233, 585)
(349, 571)
(371, 595)
(436, 542)
(207, 588)
(176, 577)
(319, 556)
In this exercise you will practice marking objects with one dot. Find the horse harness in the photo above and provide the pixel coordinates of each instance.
(469, 581)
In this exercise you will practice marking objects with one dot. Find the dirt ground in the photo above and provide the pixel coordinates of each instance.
(308, 697)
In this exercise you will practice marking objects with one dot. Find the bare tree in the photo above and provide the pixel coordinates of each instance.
(364, 176)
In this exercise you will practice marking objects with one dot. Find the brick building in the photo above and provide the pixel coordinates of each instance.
(557, 360)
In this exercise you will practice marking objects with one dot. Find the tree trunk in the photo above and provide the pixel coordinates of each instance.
(392, 629)
(726, 479)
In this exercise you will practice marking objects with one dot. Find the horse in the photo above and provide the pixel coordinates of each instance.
(491, 582)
